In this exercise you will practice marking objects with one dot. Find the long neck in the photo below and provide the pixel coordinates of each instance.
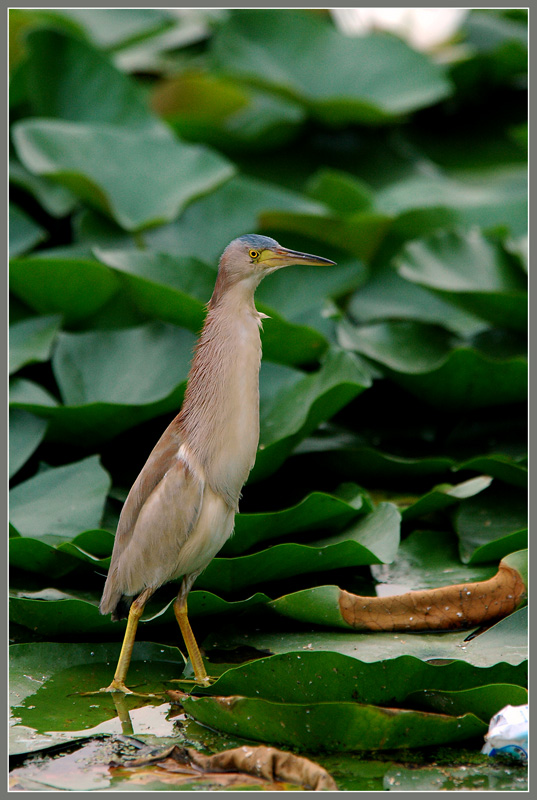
(219, 421)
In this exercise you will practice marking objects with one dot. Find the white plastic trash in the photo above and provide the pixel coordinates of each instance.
(508, 733)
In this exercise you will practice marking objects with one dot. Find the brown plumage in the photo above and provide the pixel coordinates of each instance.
(181, 508)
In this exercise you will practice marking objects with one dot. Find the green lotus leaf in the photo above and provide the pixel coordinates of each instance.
(499, 466)
(68, 281)
(169, 174)
(24, 233)
(43, 506)
(483, 701)
(69, 79)
(387, 295)
(312, 677)
(504, 642)
(492, 524)
(207, 108)
(56, 200)
(444, 496)
(372, 540)
(427, 361)
(317, 511)
(486, 198)
(31, 340)
(303, 402)
(428, 559)
(26, 432)
(353, 726)
(254, 47)
(471, 272)
(61, 614)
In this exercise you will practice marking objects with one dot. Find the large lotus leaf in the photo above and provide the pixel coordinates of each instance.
(92, 547)
(177, 290)
(31, 340)
(470, 271)
(87, 365)
(26, 432)
(498, 49)
(387, 295)
(68, 281)
(97, 404)
(427, 559)
(32, 396)
(47, 677)
(492, 524)
(62, 615)
(56, 200)
(352, 726)
(304, 402)
(353, 460)
(59, 502)
(506, 641)
(312, 677)
(167, 175)
(208, 108)
(483, 701)
(24, 233)
(112, 28)
(317, 511)
(343, 192)
(444, 496)
(499, 466)
(425, 360)
(34, 555)
(231, 210)
(486, 198)
(371, 79)
(69, 79)
(372, 540)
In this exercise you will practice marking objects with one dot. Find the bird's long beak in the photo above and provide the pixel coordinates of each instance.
(282, 257)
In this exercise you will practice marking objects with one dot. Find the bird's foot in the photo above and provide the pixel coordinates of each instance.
(205, 680)
(119, 687)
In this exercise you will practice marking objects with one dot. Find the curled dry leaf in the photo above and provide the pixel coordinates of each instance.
(449, 607)
(266, 763)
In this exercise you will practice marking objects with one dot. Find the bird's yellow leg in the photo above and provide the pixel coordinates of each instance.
(181, 615)
(118, 683)
(135, 612)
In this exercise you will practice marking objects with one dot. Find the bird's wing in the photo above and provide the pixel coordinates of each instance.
(159, 513)
(161, 459)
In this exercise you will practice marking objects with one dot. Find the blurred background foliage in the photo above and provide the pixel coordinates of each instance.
(142, 142)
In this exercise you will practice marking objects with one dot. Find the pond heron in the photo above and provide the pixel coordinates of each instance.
(182, 506)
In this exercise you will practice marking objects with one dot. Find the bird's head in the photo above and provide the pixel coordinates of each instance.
(254, 256)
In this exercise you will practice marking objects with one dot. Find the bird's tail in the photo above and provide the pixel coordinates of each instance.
(113, 601)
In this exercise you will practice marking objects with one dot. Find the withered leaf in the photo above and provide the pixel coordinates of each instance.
(263, 763)
(461, 605)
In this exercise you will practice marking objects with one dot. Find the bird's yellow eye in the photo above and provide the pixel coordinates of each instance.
(254, 254)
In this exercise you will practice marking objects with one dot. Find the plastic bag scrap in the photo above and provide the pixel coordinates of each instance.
(508, 733)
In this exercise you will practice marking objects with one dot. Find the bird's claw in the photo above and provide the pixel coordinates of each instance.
(205, 681)
(120, 688)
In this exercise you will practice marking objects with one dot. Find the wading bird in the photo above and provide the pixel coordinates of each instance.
(182, 506)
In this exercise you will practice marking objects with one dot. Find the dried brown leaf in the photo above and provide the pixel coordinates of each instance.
(251, 765)
(447, 608)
